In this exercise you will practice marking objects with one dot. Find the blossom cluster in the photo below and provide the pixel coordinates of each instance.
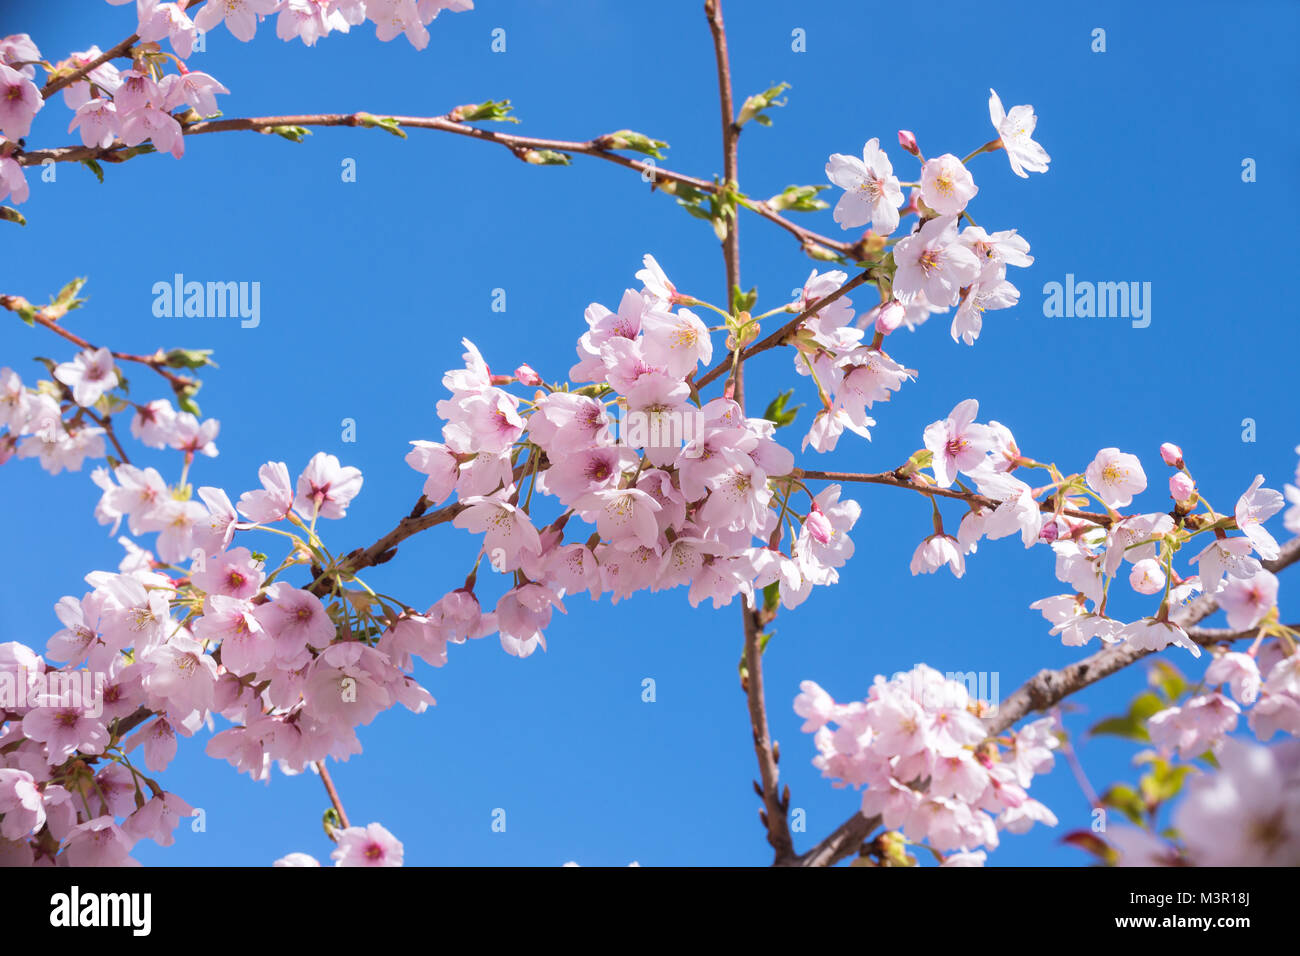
(146, 104)
(677, 495)
(918, 746)
(174, 649)
(1246, 813)
(52, 421)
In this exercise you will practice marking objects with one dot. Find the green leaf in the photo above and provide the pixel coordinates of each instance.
(1132, 725)
(743, 301)
(799, 199)
(386, 123)
(1091, 843)
(95, 168)
(753, 107)
(777, 411)
(9, 214)
(1167, 679)
(1125, 799)
(189, 358)
(67, 297)
(543, 157)
(771, 597)
(295, 134)
(1163, 782)
(630, 139)
(493, 111)
(765, 637)
(185, 398)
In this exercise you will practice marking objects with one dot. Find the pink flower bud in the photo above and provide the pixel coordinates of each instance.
(1181, 487)
(819, 526)
(527, 376)
(1147, 576)
(890, 316)
(1172, 455)
(907, 140)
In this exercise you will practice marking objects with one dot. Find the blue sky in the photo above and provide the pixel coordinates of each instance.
(367, 288)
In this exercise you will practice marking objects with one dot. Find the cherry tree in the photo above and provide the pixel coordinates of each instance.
(243, 617)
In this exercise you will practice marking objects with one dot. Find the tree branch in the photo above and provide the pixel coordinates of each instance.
(1047, 687)
(520, 146)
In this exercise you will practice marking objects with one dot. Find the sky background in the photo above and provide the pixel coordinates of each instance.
(367, 288)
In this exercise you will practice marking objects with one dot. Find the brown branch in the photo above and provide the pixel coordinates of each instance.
(776, 805)
(57, 83)
(520, 146)
(844, 842)
(780, 335)
(326, 779)
(49, 318)
(1047, 687)
(894, 480)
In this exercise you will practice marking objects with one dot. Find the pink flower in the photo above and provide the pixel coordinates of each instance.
(1246, 814)
(98, 842)
(936, 551)
(507, 530)
(188, 435)
(436, 461)
(20, 804)
(12, 181)
(1195, 727)
(66, 727)
(1171, 454)
(946, 185)
(89, 375)
(296, 619)
(20, 101)
(367, 846)
(234, 573)
(325, 488)
(98, 122)
(274, 502)
(523, 613)
(872, 194)
(241, 16)
(157, 819)
(1016, 129)
(1148, 634)
(624, 514)
(152, 423)
(1225, 556)
(1248, 600)
(1255, 507)
(1116, 477)
(957, 443)
(1239, 671)
(934, 262)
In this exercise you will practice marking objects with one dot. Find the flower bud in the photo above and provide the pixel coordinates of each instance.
(908, 141)
(818, 526)
(890, 316)
(1172, 455)
(1181, 487)
(1147, 577)
(527, 376)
